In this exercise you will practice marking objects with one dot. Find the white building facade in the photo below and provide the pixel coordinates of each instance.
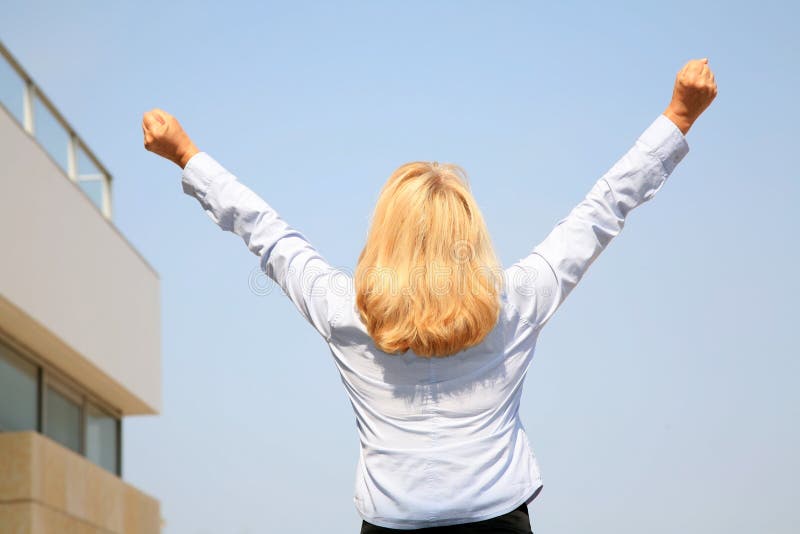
(80, 339)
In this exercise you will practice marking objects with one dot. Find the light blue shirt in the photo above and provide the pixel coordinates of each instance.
(441, 438)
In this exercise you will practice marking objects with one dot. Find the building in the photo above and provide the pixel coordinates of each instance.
(80, 340)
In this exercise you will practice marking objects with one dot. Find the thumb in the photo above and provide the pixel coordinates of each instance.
(153, 120)
(149, 121)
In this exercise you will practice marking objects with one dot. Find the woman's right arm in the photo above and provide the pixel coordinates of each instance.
(541, 281)
(286, 256)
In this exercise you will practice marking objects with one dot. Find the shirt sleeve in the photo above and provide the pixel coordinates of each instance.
(538, 283)
(285, 254)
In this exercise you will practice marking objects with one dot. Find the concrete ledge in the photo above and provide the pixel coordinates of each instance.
(45, 488)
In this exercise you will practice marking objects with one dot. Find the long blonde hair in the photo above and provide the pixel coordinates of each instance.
(428, 278)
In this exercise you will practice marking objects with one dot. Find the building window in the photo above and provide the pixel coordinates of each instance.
(19, 386)
(66, 414)
(102, 438)
(63, 419)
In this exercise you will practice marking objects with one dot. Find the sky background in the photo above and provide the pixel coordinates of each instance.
(663, 395)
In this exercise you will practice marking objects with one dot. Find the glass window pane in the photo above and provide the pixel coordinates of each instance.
(11, 89)
(101, 438)
(63, 420)
(94, 190)
(18, 392)
(50, 134)
(90, 178)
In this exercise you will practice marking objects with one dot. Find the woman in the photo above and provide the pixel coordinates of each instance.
(431, 337)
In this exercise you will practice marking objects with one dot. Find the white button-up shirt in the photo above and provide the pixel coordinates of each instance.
(441, 438)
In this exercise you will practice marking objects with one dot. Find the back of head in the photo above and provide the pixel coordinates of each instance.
(428, 278)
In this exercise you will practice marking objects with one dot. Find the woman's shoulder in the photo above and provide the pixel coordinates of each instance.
(347, 326)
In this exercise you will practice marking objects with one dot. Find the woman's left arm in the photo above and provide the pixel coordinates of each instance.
(286, 255)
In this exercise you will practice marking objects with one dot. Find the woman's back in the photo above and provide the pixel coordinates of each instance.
(441, 438)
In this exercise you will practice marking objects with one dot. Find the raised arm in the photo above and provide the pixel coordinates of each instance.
(539, 282)
(286, 256)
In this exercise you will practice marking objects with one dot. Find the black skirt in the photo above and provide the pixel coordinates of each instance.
(515, 522)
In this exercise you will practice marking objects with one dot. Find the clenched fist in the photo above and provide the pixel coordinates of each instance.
(163, 135)
(695, 88)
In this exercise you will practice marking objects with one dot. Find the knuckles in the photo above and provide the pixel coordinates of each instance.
(697, 83)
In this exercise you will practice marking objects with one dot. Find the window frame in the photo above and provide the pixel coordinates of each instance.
(22, 361)
(48, 375)
(72, 396)
(117, 430)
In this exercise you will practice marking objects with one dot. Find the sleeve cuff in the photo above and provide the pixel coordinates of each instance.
(198, 174)
(664, 139)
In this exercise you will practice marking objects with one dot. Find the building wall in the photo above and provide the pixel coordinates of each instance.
(47, 489)
(72, 289)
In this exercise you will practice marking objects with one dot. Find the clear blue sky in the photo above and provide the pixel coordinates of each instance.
(663, 396)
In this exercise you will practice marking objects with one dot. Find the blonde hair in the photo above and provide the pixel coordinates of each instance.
(428, 278)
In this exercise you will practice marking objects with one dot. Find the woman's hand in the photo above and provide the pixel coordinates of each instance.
(695, 88)
(163, 135)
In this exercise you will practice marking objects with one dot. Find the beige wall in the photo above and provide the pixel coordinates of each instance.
(48, 489)
(72, 289)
